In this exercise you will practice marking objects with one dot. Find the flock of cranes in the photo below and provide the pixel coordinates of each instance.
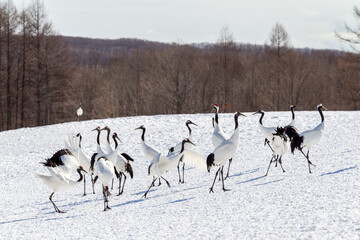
(107, 164)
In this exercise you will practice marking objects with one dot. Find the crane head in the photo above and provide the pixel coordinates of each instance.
(141, 127)
(259, 111)
(190, 122)
(321, 106)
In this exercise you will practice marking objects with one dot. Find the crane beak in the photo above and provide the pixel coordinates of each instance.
(117, 138)
(255, 113)
(191, 143)
(81, 169)
(242, 115)
(194, 124)
(137, 128)
(324, 108)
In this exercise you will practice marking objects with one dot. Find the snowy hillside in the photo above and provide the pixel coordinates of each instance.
(291, 205)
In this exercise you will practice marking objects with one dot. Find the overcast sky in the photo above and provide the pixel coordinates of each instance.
(309, 23)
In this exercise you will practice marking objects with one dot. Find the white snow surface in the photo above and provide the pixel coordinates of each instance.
(290, 205)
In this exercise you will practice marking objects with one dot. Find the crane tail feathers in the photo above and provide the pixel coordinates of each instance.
(210, 161)
(129, 169)
(296, 143)
(127, 157)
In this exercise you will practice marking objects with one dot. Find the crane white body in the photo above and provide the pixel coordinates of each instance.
(149, 151)
(218, 136)
(226, 149)
(79, 112)
(59, 178)
(161, 163)
(104, 170)
(73, 143)
(279, 145)
(309, 138)
(224, 152)
(312, 137)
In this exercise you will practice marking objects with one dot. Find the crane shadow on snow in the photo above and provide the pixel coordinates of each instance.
(172, 192)
(143, 192)
(251, 180)
(59, 218)
(260, 184)
(18, 220)
(129, 202)
(338, 171)
(245, 172)
(181, 200)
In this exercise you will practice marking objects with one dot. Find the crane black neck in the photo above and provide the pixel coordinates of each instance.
(115, 140)
(183, 146)
(98, 137)
(108, 135)
(187, 124)
(80, 141)
(293, 114)
(80, 176)
(261, 118)
(216, 116)
(236, 121)
(143, 134)
(321, 113)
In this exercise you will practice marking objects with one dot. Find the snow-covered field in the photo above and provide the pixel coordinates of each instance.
(290, 205)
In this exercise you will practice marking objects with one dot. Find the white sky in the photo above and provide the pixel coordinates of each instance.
(309, 23)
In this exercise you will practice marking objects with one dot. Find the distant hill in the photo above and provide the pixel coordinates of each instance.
(102, 49)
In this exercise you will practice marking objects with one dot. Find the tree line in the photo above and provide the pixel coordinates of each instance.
(35, 66)
(44, 76)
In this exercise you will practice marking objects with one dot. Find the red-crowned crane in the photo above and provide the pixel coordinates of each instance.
(224, 152)
(177, 149)
(161, 164)
(309, 138)
(60, 166)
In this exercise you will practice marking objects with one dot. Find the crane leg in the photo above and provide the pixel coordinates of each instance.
(281, 164)
(122, 190)
(106, 194)
(227, 175)
(268, 143)
(222, 178)
(120, 177)
(151, 185)
(166, 181)
(271, 160)
(178, 168)
(84, 186)
(217, 172)
(183, 180)
(93, 181)
(55, 207)
(307, 158)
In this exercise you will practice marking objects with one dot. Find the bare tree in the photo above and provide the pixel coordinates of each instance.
(279, 46)
(354, 38)
(227, 49)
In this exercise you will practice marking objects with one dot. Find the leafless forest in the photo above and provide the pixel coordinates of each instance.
(44, 76)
